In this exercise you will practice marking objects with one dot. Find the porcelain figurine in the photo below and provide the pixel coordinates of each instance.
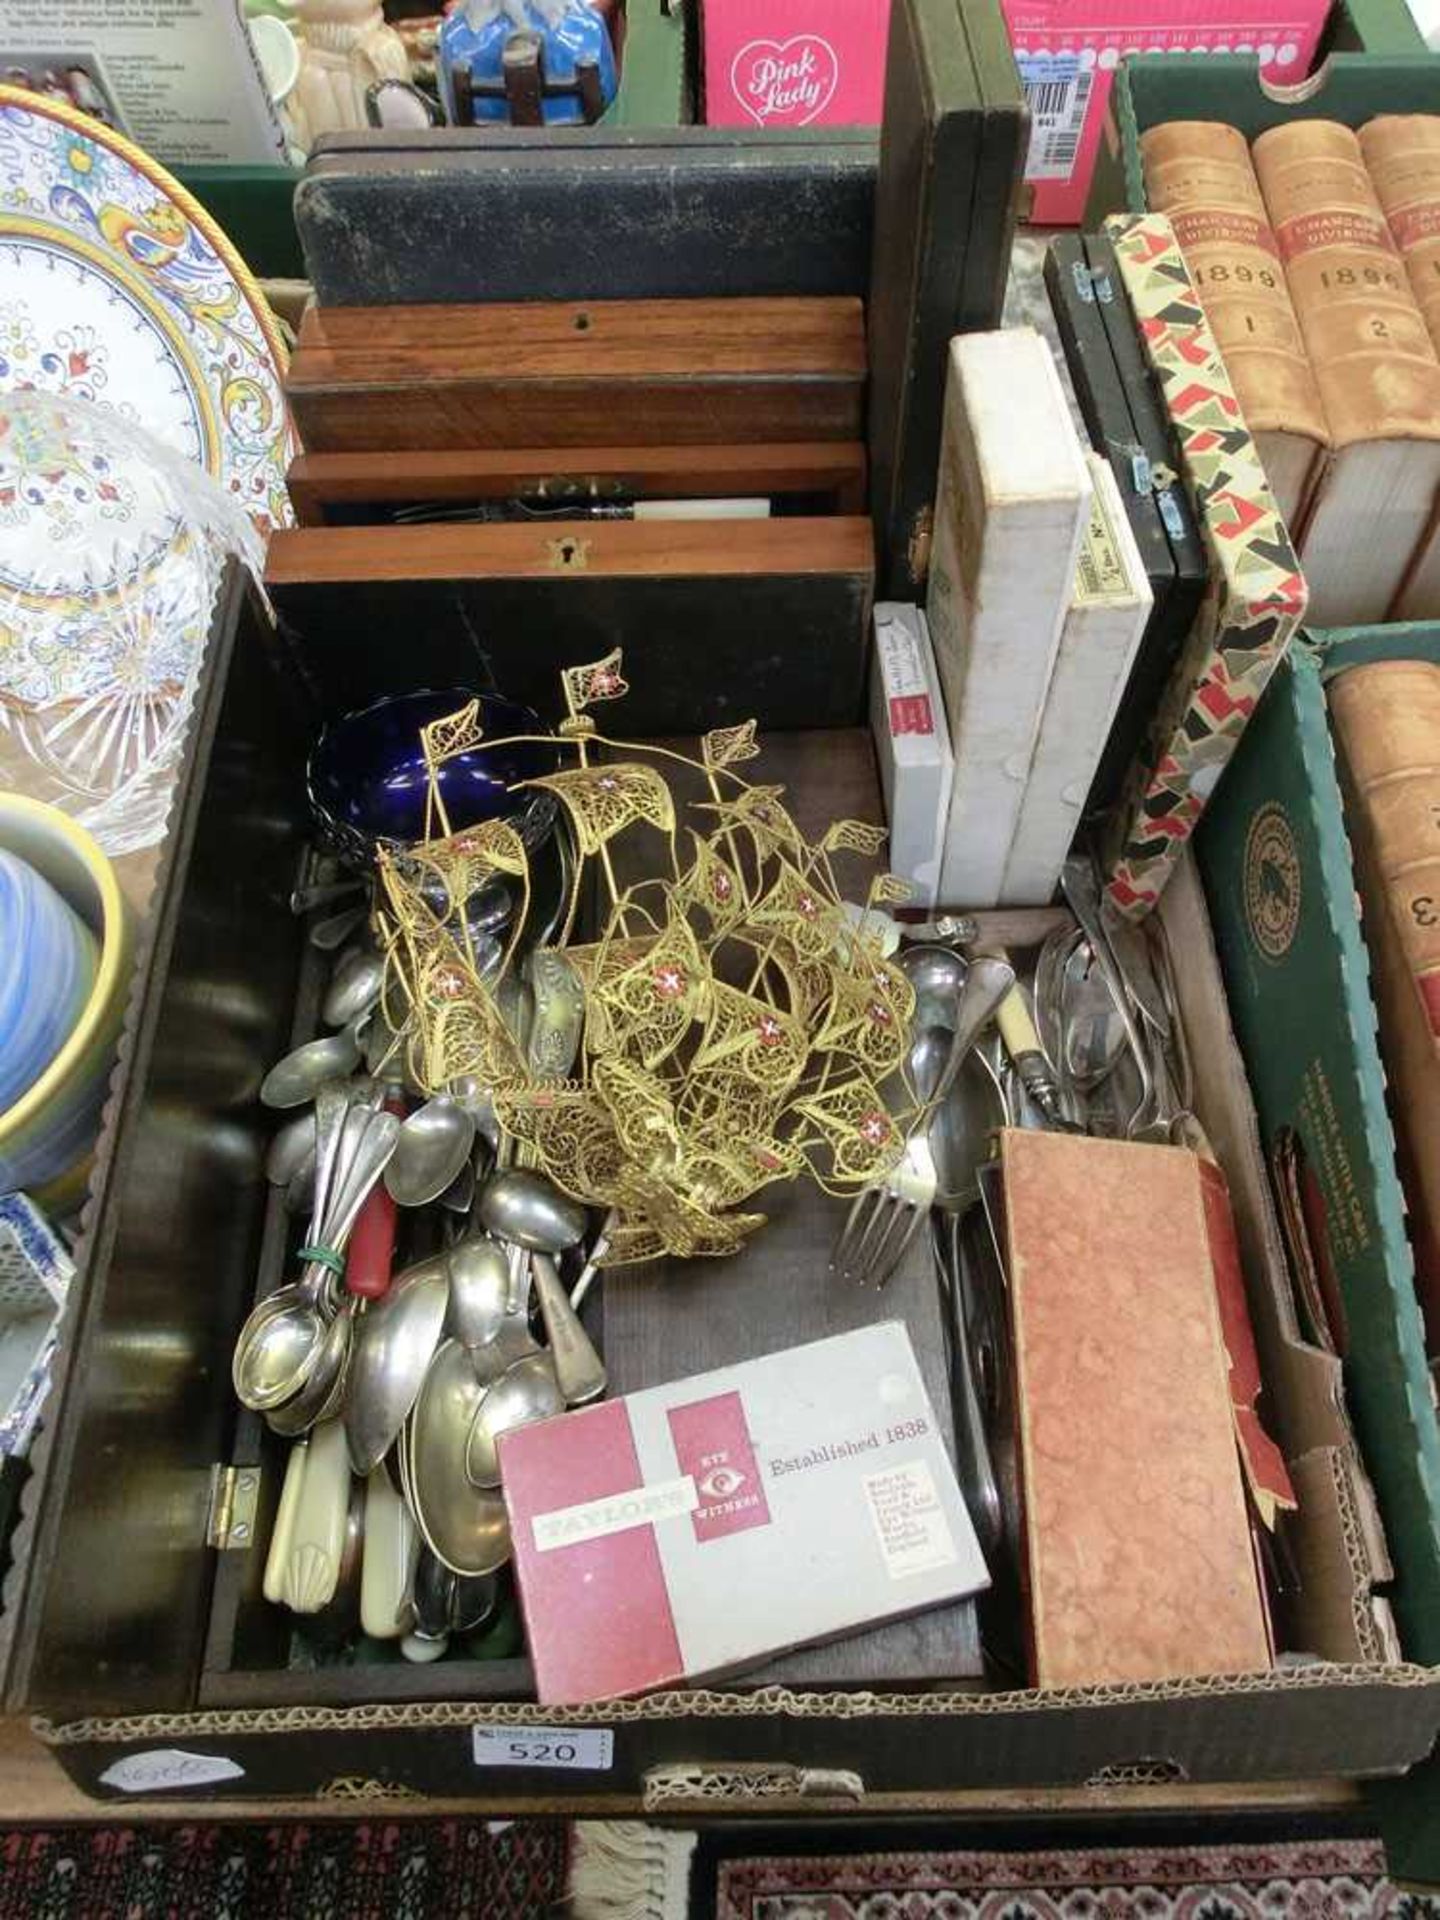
(476, 33)
(346, 49)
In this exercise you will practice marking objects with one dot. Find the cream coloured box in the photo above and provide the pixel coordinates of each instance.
(1013, 504)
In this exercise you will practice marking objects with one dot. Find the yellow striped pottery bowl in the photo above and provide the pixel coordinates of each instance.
(48, 1136)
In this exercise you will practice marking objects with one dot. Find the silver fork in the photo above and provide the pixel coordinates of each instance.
(884, 1218)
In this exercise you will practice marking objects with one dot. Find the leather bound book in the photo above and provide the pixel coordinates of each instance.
(1376, 368)
(1199, 172)
(1387, 722)
(1137, 1556)
(1402, 154)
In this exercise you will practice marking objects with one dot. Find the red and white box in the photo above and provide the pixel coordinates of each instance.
(912, 746)
(1067, 52)
(700, 1527)
(795, 63)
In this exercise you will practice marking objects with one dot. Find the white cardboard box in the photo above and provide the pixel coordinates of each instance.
(1013, 504)
(1109, 605)
(912, 746)
(695, 1528)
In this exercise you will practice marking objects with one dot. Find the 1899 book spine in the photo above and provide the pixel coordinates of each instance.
(1199, 173)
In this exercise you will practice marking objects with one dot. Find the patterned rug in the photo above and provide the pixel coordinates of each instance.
(1309, 1880)
(320, 1870)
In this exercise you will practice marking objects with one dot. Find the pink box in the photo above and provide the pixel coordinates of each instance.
(1067, 52)
(795, 63)
(693, 1529)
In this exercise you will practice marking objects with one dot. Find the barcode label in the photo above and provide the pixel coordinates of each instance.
(1050, 99)
(1057, 89)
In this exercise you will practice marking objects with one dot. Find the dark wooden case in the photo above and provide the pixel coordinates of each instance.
(719, 620)
(1125, 423)
(946, 202)
(586, 213)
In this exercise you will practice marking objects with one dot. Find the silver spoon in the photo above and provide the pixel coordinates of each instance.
(336, 928)
(559, 1013)
(355, 986)
(275, 1332)
(291, 1149)
(464, 1526)
(394, 1342)
(526, 1392)
(301, 1074)
(282, 1338)
(961, 1131)
(323, 1384)
(938, 975)
(532, 1211)
(459, 1196)
(578, 1367)
(435, 1143)
(479, 1290)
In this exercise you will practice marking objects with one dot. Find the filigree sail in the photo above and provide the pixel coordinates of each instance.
(759, 811)
(712, 884)
(799, 913)
(737, 1022)
(867, 1015)
(602, 801)
(749, 1035)
(855, 1124)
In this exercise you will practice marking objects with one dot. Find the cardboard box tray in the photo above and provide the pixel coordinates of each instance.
(1154, 88)
(124, 1631)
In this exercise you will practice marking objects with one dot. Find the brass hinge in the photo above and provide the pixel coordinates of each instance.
(917, 552)
(234, 1492)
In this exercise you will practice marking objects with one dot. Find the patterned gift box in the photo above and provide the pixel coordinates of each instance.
(1256, 596)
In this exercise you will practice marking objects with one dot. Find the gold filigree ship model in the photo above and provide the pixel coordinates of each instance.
(739, 1022)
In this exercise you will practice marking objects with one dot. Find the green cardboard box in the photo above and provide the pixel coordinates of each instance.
(1153, 88)
(1276, 864)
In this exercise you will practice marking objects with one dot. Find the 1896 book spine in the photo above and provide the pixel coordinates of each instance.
(1374, 364)
(1402, 153)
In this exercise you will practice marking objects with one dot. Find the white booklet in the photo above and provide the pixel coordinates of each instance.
(178, 77)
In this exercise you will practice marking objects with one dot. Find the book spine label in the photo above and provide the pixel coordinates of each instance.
(1402, 153)
(1201, 177)
(1350, 284)
(1100, 571)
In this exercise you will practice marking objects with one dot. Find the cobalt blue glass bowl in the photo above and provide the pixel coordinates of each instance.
(368, 783)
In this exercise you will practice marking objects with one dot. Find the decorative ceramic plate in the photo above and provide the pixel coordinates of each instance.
(117, 288)
(133, 348)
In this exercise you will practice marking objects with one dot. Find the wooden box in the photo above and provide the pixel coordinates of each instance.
(719, 620)
(557, 374)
